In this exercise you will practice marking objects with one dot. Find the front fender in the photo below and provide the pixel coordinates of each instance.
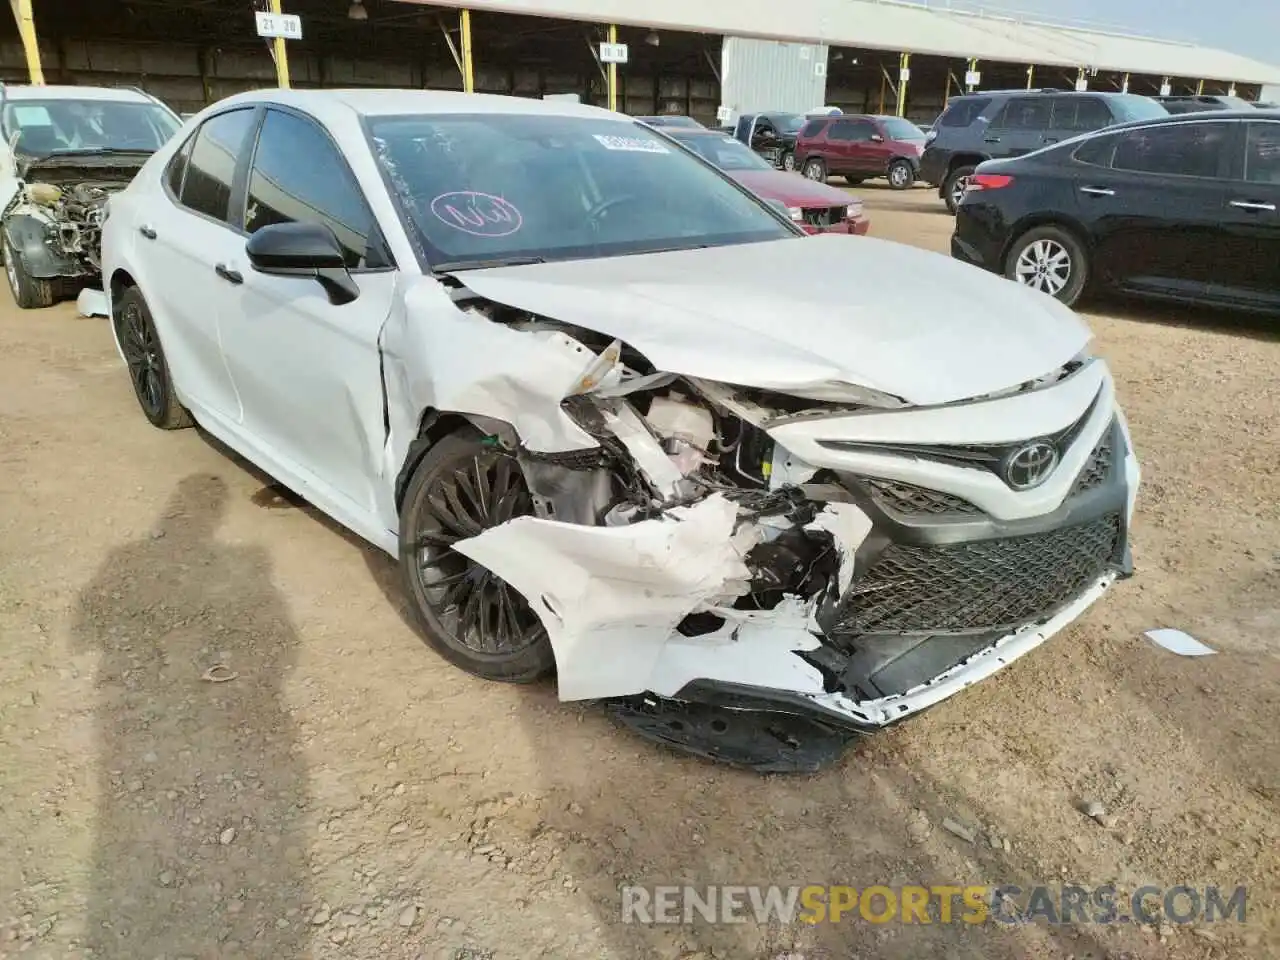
(32, 237)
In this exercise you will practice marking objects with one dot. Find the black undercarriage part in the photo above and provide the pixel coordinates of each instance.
(762, 741)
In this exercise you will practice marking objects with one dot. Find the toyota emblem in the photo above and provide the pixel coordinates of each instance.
(1030, 465)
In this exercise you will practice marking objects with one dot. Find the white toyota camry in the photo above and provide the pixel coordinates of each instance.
(620, 419)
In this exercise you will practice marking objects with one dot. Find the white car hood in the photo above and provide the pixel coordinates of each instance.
(803, 311)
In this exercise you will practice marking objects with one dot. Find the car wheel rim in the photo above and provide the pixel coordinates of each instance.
(958, 188)
(1044, 265)
(479, 610)
(789, 162)
(142, 354)
(813, 171)
(898, 176)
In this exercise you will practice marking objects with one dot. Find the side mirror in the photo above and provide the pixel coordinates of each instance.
(303, 250)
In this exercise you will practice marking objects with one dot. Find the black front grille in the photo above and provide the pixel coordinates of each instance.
(824, 216)
(981, 584)
(908, 500)
(1098, 467)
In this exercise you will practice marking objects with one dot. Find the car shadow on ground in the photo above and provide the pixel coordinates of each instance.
(1237, 323)
(199, 846)
(880, 196)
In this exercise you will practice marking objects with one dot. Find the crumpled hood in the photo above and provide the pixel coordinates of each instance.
(796, 312)
(792, 189)
(74, 167)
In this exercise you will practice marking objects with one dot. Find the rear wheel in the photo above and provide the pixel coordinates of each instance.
(954, 187)
(148, 369)
(29, 293)
(900, 174)
(468, 615)
(1051, 260)
(815, 169)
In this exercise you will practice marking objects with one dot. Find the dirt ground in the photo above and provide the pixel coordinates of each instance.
(349, 794)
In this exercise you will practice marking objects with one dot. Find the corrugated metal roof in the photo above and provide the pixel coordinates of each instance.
(896, 26)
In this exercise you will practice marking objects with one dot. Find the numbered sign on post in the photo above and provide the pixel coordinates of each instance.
(613, 53)
(287, 26)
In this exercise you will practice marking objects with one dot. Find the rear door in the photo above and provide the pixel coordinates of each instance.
(1248, 268)
(1019, 127)
(861, 149)
(839, 148)
(1155, 199)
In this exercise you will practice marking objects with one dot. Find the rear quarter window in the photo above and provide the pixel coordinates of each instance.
(1096, 152)
(812, 129)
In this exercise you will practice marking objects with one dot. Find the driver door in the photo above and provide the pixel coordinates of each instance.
(308, 372)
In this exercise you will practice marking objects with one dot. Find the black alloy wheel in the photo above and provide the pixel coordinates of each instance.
(148, 369)
(473, 618)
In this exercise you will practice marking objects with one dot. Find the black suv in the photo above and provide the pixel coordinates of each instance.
(1008, 123)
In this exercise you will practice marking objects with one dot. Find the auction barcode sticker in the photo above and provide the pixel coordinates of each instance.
(633, 144)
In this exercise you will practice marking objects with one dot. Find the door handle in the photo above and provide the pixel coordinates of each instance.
(1253, 205)
(990, 139)
(227, 274)
(147, 232)
(1098, 191)
(1050, 139)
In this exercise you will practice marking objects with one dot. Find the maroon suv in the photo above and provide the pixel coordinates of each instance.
(815, 207)
(859, 147)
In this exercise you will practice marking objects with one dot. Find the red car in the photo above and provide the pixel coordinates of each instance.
(815, 207)
(859, 147)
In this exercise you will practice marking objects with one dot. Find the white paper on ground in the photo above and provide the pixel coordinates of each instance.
(91, 303)
(1183, 644)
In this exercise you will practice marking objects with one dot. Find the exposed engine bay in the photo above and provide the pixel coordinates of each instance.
(67, 201)
(685, 561)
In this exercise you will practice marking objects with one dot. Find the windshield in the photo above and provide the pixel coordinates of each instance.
(726, 153)
(500, 187)
(58, 126)
(787, 122)
(1130, 106)
(898, 129)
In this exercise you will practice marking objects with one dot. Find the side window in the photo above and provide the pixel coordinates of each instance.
(178, 166)
(299, 176)
(812, 129)
(1097, 151)
(961, 113)
(1180, 149)
(1024, 113)
(1262, 153)
(841, 130)
(863, 130)
(218, 145)
(1091, 114)
(1064, 113)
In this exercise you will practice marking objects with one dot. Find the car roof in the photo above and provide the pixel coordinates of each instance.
(1204, 116)
(117, 94)
(389, 102)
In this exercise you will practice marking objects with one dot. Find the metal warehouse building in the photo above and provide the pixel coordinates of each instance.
(699, 58)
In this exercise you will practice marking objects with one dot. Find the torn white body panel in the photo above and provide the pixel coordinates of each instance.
(92, 303)
(933, 343)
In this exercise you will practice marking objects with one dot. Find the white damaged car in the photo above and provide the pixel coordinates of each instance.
(621, 420)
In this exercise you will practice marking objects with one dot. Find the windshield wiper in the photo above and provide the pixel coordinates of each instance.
(457, 266)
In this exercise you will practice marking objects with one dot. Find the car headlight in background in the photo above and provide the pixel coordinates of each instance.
(796, 214)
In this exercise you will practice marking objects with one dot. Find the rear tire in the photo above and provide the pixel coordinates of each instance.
(148, 368)
(901, 175)
(1051, 260)
(815, 169)
(953, 188)
(29, 293)
(470, 617)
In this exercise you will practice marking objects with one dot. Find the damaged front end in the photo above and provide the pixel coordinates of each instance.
(757, 575)
(53, 221)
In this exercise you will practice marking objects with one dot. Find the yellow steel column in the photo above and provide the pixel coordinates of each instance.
(904, 74)
(1031, 75)
(1124, 86)
(1199, 87)
(30, 45)
(468, 68)
(278, 52)
(613, 71)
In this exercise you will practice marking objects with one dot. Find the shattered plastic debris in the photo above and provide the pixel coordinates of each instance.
(91, 303)
(1183, 644)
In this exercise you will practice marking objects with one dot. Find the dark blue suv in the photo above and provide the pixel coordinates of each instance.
(1008, 123)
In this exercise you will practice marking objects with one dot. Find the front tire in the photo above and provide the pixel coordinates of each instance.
(148, 368)
(789, 161)
(815, 169)
(901, 175)
(1051, 260)
(29, 293)
(954, 187)
(471, 617)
